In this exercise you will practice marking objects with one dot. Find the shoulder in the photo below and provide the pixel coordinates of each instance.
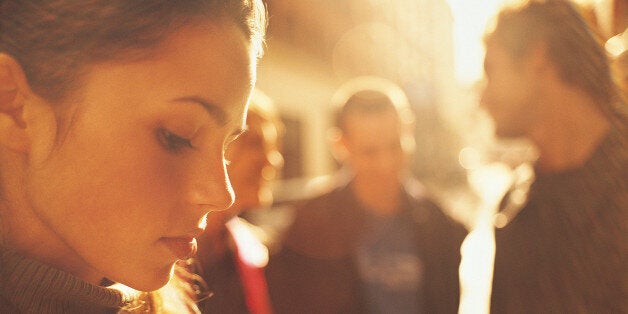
(335, 198)
(606, 172)
(425, 207)
(325, 225)
(433, 221)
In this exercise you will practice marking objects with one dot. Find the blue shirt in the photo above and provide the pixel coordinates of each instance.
(390, 265)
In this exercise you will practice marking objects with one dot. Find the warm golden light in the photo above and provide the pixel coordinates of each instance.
(470, 20)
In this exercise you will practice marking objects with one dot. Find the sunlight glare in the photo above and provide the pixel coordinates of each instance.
(470, 21)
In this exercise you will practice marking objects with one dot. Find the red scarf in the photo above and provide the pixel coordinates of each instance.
(251, 258)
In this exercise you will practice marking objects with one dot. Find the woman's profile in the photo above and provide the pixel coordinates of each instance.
(114, 119)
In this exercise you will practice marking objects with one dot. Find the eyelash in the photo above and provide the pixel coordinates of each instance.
(172, 142)
(175, 143)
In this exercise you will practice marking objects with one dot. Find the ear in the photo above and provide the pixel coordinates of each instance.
(13, 88)
(338, 144)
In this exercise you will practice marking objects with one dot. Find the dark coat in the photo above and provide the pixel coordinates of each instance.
(567, 249)
(315, 271)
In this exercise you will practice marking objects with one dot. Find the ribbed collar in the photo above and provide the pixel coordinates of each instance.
(34, 287)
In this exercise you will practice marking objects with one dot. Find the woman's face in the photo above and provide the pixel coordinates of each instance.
(126, 186)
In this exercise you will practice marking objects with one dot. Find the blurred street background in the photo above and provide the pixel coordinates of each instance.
(431, 48)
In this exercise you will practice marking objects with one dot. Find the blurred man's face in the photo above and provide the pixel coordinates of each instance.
(373, 144)
(510, 94)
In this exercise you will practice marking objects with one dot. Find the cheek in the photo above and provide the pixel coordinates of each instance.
(140, 180)
(497, 97)
(103, 181)
(493, 93)
(105, 198)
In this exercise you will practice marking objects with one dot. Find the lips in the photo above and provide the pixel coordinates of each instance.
(181, 247)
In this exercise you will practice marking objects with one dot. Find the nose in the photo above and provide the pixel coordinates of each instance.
(210, 185)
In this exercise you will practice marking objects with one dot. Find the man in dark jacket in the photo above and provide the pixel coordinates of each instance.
(374, 242)
(565, 250)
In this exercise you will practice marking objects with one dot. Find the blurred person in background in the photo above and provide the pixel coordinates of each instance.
(114, 117)
(564, 249)
(374, 242)
(231, 257)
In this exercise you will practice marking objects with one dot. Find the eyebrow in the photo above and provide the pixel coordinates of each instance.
(215, 111)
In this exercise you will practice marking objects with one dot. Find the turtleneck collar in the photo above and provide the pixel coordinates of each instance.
(31, 286)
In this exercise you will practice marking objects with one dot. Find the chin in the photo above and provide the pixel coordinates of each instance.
(506, 130)
(152, 280)
(508, 134)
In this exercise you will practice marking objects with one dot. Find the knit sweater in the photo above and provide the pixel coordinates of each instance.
(29, 286)
(566, 250)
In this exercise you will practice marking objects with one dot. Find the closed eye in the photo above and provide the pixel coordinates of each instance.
(172, 142)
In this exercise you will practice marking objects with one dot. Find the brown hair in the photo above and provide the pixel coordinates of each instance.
(54, 40)
(571, 44)
(369, 94)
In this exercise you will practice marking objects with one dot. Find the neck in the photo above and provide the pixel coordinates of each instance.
(569, 133)
(380, 199)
